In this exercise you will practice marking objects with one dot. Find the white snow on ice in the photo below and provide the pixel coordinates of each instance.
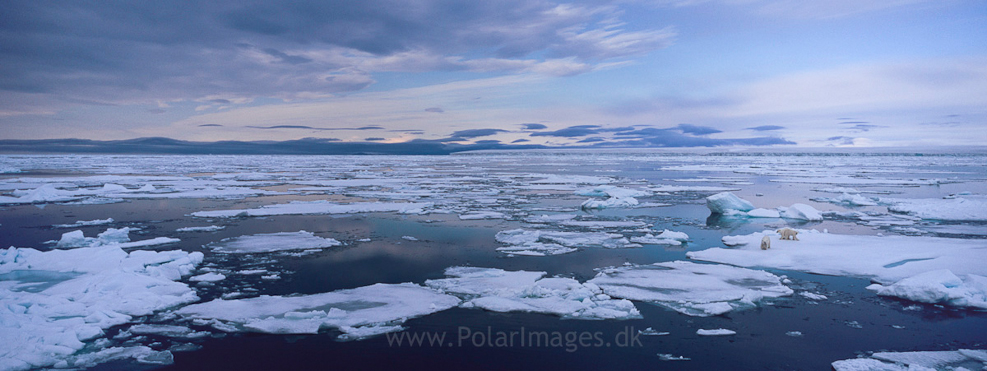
(690, 288)
(270, 242)
(522, 291)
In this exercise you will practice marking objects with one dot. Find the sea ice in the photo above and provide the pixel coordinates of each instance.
(962, 359)
(210, 228)
(939, 287)
(112, 236)
(715, 332)
(689, 288)
(534, 242)
(848, 199)
(360, 312)
(477, 215)
(727, 203)
(884, 259)
(966, 208)
(666, 237)
(84, 291)
(612, 191)
(208, 277)
(269, 242)
(522, 291)
(319, 207)
(81, 223)
(611, 202)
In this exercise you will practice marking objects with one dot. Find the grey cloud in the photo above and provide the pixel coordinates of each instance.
(209, 125)
(766, 128)
(570, 132)
(473, 133)
(374, 139)
(435, 109)
(533, 126)
(697, 130)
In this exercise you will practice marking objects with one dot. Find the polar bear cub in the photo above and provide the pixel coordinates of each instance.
(788, 234)
(765, 243)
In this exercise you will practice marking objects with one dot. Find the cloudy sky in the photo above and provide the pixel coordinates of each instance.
(588, 73)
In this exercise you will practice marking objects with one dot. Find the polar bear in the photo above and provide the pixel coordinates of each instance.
(788, 234)
(765, 243)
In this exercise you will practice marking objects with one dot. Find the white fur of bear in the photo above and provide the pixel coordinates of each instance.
(765, 243)
(788, 234)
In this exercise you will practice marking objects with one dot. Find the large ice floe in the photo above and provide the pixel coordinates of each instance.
(927, 269)
(691, 288)
(962, 359)
(541, 243)
(616, 197)
(318, 207)
(52, 303)
(961, 208)
(112, 236)
(269, 242)
(728, 204)
(522, 291)
(357, 313)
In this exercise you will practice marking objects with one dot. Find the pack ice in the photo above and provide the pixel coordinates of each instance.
(522, 291)
(728, 204)
(269, 242)
(112, 236)
(926, 269)
(689, 288)
(358, 313)
(318, 207)
(54, 302)
(962, 359)
(962, 208)
(541, 243)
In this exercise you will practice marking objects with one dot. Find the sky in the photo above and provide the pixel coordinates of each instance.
(624, 73)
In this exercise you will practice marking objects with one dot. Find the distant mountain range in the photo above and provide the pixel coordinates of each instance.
(307, 146)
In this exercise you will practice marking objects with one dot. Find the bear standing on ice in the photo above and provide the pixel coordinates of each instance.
(765, 243)
(788, 234)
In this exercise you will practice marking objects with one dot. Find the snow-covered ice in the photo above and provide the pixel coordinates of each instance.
(884, 259)
(270, 242)
(715, 332)
(55, 301)
(318, 207)
(539, 242)
(82, 223)
(939, 287)
(962, 359)
(358, 313)
(691, 288)
(112, 236)
(522, 291)
(728, 204)
(965, 208)
(926, 269)
(208, 228)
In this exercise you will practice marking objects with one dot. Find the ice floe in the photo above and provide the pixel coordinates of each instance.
(728, 204)
(522, 291)
(539, 242)
(270, 242)
(210, 228)
(357, 313)
(82, 223)
(56, 301)
(666, 237)
(939, 287)
(319, 207)
(715, 332)
(112, 236)
(691, 288)
(884, 259)
(962, 359)
(926, 269)
(966, 208)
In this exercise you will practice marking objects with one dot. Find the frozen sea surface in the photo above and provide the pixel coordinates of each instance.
(267, 262)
